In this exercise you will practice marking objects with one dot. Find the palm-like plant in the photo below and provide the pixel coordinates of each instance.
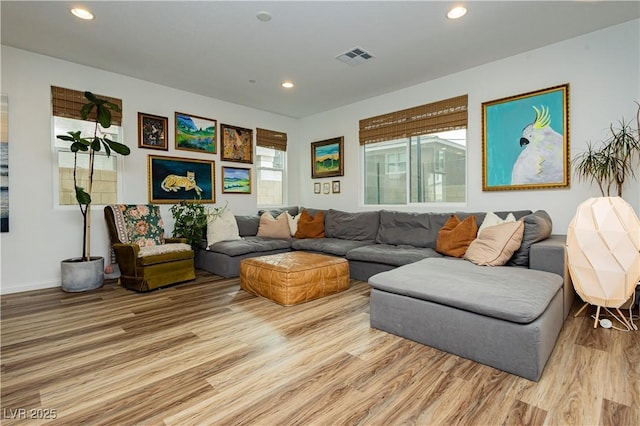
(93, 144)
(611, 164)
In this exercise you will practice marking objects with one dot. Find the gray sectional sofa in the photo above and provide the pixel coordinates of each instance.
(508, 317)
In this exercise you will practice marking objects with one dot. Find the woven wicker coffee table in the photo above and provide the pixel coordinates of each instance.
(294, 277)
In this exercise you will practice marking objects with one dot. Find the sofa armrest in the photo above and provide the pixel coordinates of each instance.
(126, 256)
(548, 255)
(175, 240)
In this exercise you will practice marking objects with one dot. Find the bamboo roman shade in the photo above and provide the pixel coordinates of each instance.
(68, 103)
(271, 139)
(449, 114)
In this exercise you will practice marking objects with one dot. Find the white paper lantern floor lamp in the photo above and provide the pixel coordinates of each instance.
(603, 252)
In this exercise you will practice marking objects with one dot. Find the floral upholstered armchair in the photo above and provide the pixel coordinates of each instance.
(147, 259)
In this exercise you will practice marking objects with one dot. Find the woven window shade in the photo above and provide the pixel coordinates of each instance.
(68, 103)
(449, 114)
(271, 139)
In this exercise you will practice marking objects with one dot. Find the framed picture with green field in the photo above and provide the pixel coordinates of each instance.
(195, 133)
(236, 180)
(327, 158)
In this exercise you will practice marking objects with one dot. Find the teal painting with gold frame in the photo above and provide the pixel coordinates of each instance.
(525, 141)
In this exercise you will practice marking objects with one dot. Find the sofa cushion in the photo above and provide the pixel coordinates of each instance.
(334, 246)
(362, 226)
(274, 227)
(163, 249)
(293, 210)
(456, 235)
(537, 227)
(404, 228)
(391, 255)
(310, 226)
(518, 295)
(496, 244)
(222, 227)
(248, 225)
(249, 245)
(492, 219)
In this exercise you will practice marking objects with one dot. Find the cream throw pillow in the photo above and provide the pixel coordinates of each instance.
(496, 244)
(293, 222)
(492, 219)
(222, 228)
(274, 228)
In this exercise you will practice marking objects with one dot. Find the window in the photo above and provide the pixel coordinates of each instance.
(416, 155)
(437, 169)
(66, 106)
(270, 179)
(105, 178)
(271, 159)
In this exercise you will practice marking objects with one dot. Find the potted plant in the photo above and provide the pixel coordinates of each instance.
(610, 164)
(87, 272)
(191, 218)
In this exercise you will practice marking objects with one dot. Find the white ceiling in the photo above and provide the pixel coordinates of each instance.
(217, 48)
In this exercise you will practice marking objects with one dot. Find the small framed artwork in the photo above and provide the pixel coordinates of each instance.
(173, 179)
(316, 188)
(525, 141)
(327, 158)
(237, 144)
(236, 180)
(326, 187)
(152, 131)
(195, 133)
(335, 186)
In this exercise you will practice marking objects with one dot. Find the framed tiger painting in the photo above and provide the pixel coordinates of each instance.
(173, 179)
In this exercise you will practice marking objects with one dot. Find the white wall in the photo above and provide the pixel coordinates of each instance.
(41, 235)
(602, 69)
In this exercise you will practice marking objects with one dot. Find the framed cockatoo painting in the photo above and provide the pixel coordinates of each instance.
(525, 141)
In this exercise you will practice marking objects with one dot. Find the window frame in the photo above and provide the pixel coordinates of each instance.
(408, 204)
(56, 149)
(259, 168)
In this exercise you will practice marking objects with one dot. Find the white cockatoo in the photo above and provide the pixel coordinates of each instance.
(541, 159)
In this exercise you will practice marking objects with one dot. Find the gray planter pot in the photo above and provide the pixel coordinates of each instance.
(79, 275)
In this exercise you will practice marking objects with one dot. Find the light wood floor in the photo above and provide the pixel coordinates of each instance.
(208, 353)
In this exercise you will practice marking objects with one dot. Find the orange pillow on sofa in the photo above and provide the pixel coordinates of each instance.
(455, 236)
(310, 226)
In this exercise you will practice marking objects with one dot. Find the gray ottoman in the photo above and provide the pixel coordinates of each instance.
(506, 317)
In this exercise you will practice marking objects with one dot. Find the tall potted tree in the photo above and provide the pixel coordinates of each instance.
(87, 272)
(610, 164)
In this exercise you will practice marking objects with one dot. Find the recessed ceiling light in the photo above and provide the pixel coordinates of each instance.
(457, 12)
(287, 85)
(81, 13)
(263, 16)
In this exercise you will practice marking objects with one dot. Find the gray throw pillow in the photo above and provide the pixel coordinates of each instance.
(537, 227)
(248, 225)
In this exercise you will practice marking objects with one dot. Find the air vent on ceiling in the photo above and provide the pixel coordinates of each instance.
(355, 56)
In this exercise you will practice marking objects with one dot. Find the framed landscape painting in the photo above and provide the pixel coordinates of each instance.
(195, 133)
(152, 131)
(327, 158)
(173, 179)
(237, 144)
(236, 180)
(525, 141)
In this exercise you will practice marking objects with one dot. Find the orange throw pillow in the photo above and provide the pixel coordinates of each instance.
(455, 236)
(309, 226)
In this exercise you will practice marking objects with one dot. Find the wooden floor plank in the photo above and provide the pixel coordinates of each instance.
(207, 352)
